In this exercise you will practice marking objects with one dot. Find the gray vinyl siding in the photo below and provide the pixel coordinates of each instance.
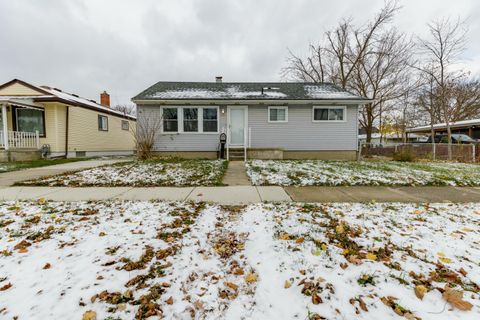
(300, 132)
(182, 141)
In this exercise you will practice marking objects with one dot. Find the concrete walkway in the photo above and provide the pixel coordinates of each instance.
(9, 178)
(384, 194)
(233, 195)
(236, 174)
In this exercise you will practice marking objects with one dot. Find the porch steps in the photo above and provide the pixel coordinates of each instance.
(237, 154)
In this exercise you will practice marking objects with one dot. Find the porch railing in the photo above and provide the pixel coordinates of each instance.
(19, 140)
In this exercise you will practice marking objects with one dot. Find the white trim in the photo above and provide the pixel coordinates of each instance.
(180, 119)
(344, 108)
(278, 107)
(245, 108)
(5, 127)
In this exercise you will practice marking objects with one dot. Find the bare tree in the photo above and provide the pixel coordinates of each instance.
(440, 52)
(371, 60)
(148, 126)
(130, 109)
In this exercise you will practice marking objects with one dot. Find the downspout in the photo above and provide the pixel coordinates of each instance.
(66, 132)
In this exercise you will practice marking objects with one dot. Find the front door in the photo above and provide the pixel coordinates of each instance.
(237, 125)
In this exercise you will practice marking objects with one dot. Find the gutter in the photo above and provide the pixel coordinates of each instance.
(240, 102)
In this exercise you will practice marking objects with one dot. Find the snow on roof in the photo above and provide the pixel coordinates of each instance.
(247, 91)
(463, 123)
(83, 101)
(322, 92)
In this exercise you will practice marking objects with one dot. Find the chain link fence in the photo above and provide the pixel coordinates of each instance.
(428, 151)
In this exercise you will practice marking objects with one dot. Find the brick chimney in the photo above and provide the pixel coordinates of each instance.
(105, 99)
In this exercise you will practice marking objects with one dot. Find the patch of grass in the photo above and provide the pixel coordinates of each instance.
(20, 165)
(149, 173)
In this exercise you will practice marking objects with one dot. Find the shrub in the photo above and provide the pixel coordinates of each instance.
(404, 155)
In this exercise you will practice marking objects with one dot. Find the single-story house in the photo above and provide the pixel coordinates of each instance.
(468, 127)
(41, 119)
(259, 119)
(390, 139)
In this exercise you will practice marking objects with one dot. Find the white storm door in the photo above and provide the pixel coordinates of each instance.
(237, 123)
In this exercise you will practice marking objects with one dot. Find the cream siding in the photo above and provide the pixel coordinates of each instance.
(85, 136)
(83, 126)
(18, 89)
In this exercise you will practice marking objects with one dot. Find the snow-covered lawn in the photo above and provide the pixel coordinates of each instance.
(125, 260)
(143, 173)
(365, 173)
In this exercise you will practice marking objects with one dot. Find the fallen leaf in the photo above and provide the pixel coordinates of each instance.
(420, 291)
(340, 229)
(300, 240)
(169, 300)
(231, 285)
(89, 315)
(47, 266)
(284, 236)
(41, 201)
(249, 278)
(6, 287)
(354, 260)
(455, 298)
(198, 305)
(287, 284)
(445, 260)
(371, 256)
(462, 272)
(316, 298)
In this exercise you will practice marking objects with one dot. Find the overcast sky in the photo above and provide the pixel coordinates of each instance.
(86, 47)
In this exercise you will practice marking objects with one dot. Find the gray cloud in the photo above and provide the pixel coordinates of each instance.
(123, 46)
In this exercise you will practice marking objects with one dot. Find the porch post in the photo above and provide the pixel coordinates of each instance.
(4, 126)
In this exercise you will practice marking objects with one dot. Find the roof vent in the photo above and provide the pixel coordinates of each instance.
(268, 89)
(218, 79)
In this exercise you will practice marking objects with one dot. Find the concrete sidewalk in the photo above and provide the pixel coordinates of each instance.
(9, 178)
(384, 194)
(223, 195)
(234, 195)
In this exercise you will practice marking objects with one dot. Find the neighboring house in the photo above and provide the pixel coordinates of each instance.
(468, 127)
(390, 139)
(67, 125)
(270, 120)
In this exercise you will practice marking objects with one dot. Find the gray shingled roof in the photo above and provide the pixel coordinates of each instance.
(245, 91)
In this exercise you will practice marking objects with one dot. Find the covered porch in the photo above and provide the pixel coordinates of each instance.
(22, 124)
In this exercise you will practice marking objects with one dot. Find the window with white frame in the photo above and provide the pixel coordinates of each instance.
(277, 114)
(30, 120)
(321, 114)
(190, 119)
(102, 123)
(170, 119)
(210, 119)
